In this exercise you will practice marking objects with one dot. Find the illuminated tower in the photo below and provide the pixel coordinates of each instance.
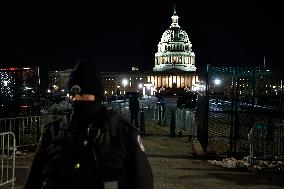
(174, 49)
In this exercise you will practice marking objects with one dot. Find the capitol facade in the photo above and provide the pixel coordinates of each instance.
(174, 49)
(174, 61)
(174, 68)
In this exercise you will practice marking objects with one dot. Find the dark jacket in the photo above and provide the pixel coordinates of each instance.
(121, 137)
(134, 104)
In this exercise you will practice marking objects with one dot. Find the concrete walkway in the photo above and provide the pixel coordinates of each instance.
(174, 167)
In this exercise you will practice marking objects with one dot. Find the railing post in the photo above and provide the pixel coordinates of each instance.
(37, 120)
(173, 124)
(160, 115)
(142, 122)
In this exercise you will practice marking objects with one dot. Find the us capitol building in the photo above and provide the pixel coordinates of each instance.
(174, 68)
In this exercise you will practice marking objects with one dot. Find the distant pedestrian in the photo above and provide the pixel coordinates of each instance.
(93, 148)
(134, 108)
(162, 109)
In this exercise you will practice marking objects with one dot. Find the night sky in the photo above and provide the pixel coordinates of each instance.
(121, 34)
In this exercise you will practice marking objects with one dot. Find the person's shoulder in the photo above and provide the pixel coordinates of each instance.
(120, 122)
(53, 127)
(54, 123)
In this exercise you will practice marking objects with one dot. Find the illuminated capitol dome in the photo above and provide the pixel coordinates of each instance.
(174, 69)
(174, 49)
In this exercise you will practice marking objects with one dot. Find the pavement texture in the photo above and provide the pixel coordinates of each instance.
(175, 166)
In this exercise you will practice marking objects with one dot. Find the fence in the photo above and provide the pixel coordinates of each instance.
(120, 106)
(7, 148)
(27, 130)
(235, 99)
(266, 142)
(185, 120)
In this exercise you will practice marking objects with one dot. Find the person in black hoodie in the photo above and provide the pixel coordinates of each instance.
(134, 109)
(92, 147)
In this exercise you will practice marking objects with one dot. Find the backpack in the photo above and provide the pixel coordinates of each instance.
(83, 159)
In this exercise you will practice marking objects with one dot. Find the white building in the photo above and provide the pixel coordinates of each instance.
(174, 49)
(174, 67)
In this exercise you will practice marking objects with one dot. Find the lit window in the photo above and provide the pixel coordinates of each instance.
(5, 83)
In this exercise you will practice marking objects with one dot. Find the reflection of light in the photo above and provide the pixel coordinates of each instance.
(67, 94)
(48, 90)
(118, 86)
(217, 81)
(62, 90)
(140, 85)
(28, 88)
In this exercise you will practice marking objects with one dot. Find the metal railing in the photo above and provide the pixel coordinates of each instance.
(7, 159)
(185, 120)
(27, 130)
(266, 142)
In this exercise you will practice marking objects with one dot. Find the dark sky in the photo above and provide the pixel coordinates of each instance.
(120, 34)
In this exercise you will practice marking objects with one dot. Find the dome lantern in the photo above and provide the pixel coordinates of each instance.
(175, 18)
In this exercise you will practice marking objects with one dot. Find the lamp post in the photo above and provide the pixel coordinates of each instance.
(140, 86)
(124, 82)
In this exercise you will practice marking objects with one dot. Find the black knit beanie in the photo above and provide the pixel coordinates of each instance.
(87, 77)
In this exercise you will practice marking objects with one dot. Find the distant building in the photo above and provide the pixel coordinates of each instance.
(174, 49)
(175, 60)
(58, 81)
(18, 89)
(174, 69)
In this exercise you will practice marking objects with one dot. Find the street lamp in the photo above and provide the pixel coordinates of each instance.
(217, 81)
(140, 86)
(124, 82)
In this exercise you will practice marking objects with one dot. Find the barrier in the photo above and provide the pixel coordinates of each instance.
(266, 142)
(7, 159)
(185, 120)
(27, 130)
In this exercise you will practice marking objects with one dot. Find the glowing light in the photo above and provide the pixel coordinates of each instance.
(5, 83)
(217, 81)
(55, 87)
(48, 91)
(140, 85)
(124, 82)
(12, 69)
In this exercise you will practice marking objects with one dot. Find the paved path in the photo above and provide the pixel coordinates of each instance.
(174, 167)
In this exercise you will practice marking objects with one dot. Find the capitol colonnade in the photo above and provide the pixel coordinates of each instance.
(178, 81)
